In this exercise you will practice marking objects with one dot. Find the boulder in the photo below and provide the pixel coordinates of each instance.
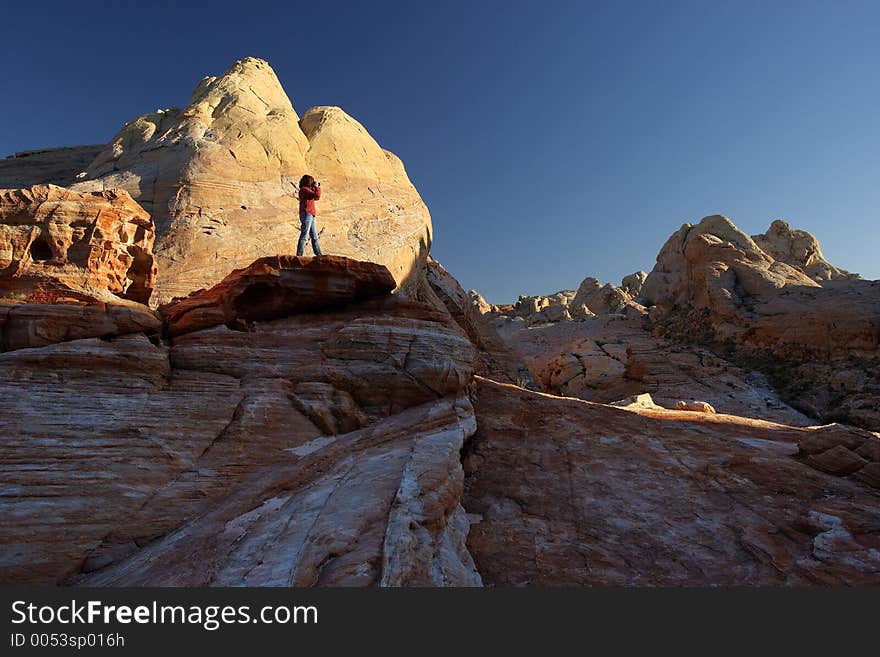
(694, 406)
(278, 286)
(643, 400)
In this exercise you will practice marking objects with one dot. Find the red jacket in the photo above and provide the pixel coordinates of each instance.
(307, 198)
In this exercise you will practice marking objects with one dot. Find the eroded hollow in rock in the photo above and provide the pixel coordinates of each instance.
(138, 274)
(258, 301)
(40, 250)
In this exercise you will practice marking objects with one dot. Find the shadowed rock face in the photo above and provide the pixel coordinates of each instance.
(220, 176)
(562, 492)
(59, 245)
(58, 166)
(494, 359)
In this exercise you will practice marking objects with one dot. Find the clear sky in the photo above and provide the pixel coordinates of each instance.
(550, 140)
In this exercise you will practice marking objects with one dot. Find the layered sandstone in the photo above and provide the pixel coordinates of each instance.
(378, 506)
(343, 439)
(219, 178)
(317, 447)
(26, 325)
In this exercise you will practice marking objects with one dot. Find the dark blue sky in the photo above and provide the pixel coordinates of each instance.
(551, 140)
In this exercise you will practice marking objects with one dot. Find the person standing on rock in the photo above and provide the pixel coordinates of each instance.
(309, 192)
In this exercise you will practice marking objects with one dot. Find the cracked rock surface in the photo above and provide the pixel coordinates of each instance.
(566, 492)
(609, 358)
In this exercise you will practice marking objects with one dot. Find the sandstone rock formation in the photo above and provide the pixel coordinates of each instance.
(563, 492)
(25, 325)
(58, 245)
(493, 358)
(816, 332)
(280, 443)
(480, 304)
(219, 179)
(643, 400)
(314, 448)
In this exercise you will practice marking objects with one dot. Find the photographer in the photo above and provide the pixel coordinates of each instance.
(309, 192)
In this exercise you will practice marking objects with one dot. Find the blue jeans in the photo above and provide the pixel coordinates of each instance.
(307, 229)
